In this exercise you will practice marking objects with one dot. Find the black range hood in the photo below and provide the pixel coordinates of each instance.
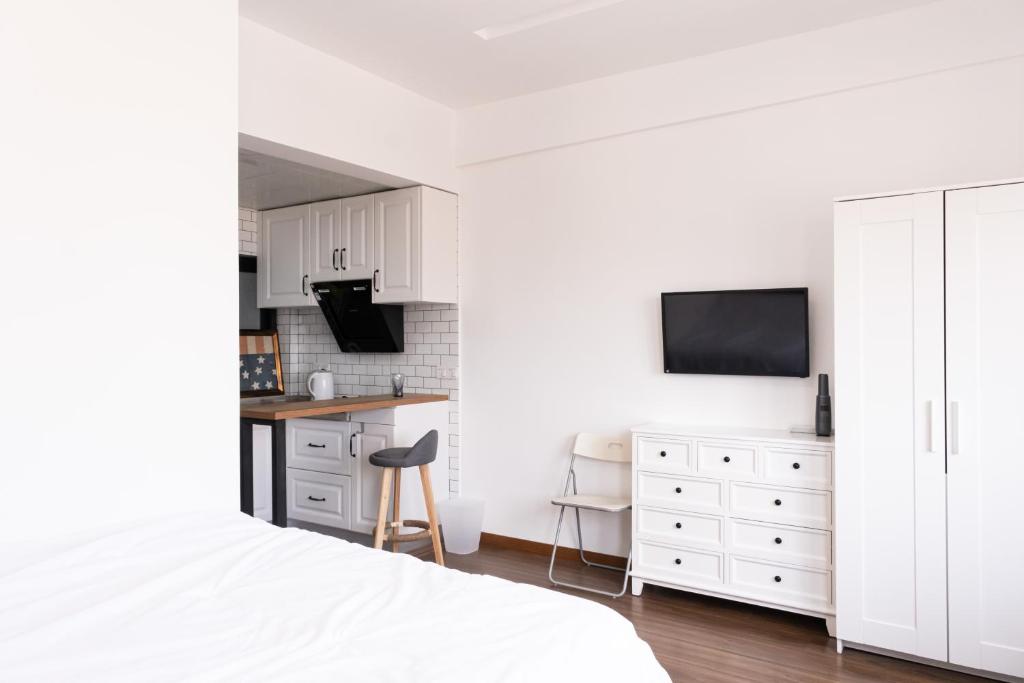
(359, 325)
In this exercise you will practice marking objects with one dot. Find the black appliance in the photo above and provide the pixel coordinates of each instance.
(736, 332)
(359, 325)
(250, 316)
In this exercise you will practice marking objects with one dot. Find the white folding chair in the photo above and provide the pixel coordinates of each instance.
(595, 447)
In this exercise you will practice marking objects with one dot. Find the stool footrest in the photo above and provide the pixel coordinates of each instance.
(419, 535)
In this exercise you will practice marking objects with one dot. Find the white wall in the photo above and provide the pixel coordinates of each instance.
(118, 261)
(294, 95)
(565, 251)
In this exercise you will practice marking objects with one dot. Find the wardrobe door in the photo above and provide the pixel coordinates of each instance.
(985, 379)
(890, 536)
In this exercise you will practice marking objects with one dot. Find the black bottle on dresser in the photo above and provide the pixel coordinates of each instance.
(823, 408)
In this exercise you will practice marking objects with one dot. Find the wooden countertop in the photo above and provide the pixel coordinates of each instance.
(283, 408)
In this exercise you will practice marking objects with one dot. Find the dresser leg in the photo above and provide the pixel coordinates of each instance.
(839, 645)
(830, 626)
(637, 586)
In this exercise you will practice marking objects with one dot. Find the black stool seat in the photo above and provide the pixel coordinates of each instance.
(423, 452)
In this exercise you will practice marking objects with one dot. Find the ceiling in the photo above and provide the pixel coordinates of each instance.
(435, 48)
(267, 182)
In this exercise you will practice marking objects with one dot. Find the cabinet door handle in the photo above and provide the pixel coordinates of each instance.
(305, 279)
(930, 416)
(778, 502)
(778, 579)
(319, 500)
(778, 540)
(351, 444)
(334, 259)
(954, 428)
(796, 466)
(375, 288)
(727, 459)
(343, 266)
(317, 445)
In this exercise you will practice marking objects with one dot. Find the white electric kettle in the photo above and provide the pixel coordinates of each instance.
(321, 384)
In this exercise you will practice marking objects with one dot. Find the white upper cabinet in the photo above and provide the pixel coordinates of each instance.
(282, 274)
(415, 242)
(405, 241)
(324, 241)
(355, 253)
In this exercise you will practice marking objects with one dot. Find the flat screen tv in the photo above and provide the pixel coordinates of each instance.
(736, 332)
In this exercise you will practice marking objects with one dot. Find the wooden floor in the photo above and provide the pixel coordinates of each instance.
(697, 638)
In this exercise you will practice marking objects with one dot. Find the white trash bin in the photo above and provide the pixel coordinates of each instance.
(462, 520)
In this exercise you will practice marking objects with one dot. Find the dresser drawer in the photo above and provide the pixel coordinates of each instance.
(777, 504)
(319, 498)
(726, 459)
(664, 455)
(320, 448)
(679, 493)
(684, 528)
(796, 586)
(798, 467)
(780, 543)
(681, 564)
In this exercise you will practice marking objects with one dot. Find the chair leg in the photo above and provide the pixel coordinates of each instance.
(428, 499)
(583, 557)
(396, 517)
(554, 553)
(382, 508)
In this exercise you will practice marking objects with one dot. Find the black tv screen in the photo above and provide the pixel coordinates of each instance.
(736, 332)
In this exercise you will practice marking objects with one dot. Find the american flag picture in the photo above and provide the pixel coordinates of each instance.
(259, 364)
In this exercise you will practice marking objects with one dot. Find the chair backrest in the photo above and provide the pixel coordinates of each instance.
(423, 451)
(607, 448)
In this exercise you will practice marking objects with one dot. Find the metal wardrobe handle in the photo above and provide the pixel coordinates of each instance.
(343, 266)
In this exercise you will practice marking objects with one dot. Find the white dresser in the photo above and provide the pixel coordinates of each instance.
(743, 514)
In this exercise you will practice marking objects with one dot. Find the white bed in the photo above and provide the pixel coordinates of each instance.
(230, 597)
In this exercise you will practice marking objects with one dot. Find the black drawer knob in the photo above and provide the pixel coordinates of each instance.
(679, 490)
(663, 454)
(778, 541)
(778, 579)
(678, 561)
(796, 466)
(727, 459)
(778, 502)
(679, 525)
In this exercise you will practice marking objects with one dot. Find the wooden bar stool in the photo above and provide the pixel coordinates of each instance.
(420, 454)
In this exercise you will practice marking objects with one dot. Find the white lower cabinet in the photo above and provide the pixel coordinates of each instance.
(744, 515)
(330, 478)
(320, 498)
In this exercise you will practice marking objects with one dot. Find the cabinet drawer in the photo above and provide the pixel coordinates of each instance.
(798, 467)
(682, 564)
(685, 528)
(319, 498)
(724, 459)
(679, 493)
(779, 583)
(319, 448)
(781, 543)
(665, 456)
(777, 504)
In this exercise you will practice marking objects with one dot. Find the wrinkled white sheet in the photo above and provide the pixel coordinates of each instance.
(228, 597)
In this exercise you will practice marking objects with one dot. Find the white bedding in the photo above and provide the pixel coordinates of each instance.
(230, 597)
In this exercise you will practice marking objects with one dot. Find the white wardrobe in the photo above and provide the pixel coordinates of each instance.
(929, 418)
